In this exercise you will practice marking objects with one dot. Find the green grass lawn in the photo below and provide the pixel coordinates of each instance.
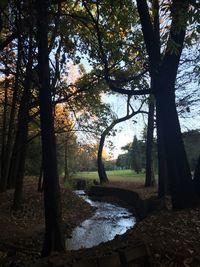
(117, 175)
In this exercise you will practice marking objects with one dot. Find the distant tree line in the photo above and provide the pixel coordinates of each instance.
(135, 157)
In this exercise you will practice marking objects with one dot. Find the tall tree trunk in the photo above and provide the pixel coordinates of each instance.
(66, 174)
(40, 180)
(6, 161)
(101, 169)
(163, 71)
(3, 181)
(179, 175)
(18, 193)
(14, 162)
(22, 132)
(196, 180)
(54, 238)
(163, 183)
(150, 178)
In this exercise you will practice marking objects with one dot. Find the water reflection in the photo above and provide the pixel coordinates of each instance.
(108, 221)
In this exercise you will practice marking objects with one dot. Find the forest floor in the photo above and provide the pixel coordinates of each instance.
(172, 237)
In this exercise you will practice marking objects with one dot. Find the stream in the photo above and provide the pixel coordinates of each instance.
(108, 221)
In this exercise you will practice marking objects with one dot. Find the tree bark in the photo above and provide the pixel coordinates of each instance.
(66, 174)
(40, 180)
(196, 180)
(101, 169)
(3, 180)
(54, 238)
(22, 132)
(150, 178)
(12, 127)
(179, 175)
(163, 183)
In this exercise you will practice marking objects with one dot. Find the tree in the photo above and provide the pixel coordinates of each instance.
(66, 140)
(101, 169)
(149, 173)
(54, 239)
(163, 72)
(13, 66)
(7, 29)
(87, 157)
(3, 179)
(20, 145)
(123, 161)
(137, 155)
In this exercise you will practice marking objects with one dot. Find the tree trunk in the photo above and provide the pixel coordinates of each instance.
(9, 143)
(22, 132)
(16, 172)
(101, 169)
(40, 180)
(3, 180)
(163, 183)
(18, 194)
(11, 127)
(54, 238)
(179, 175)
(196, 180)
(66, 175)
(163, 71)
(150, 178)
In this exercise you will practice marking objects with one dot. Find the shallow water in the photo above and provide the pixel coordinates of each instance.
(108, 221)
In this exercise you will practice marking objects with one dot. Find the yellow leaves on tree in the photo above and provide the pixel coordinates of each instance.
(62, 120)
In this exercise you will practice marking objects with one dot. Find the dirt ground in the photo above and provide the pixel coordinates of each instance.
(21, 233)
(172, 237)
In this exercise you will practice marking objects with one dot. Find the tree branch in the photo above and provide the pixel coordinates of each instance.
(149, 34)
(117, 89)
(179, 11)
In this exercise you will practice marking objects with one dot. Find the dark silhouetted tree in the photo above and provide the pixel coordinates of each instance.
(54, 238)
